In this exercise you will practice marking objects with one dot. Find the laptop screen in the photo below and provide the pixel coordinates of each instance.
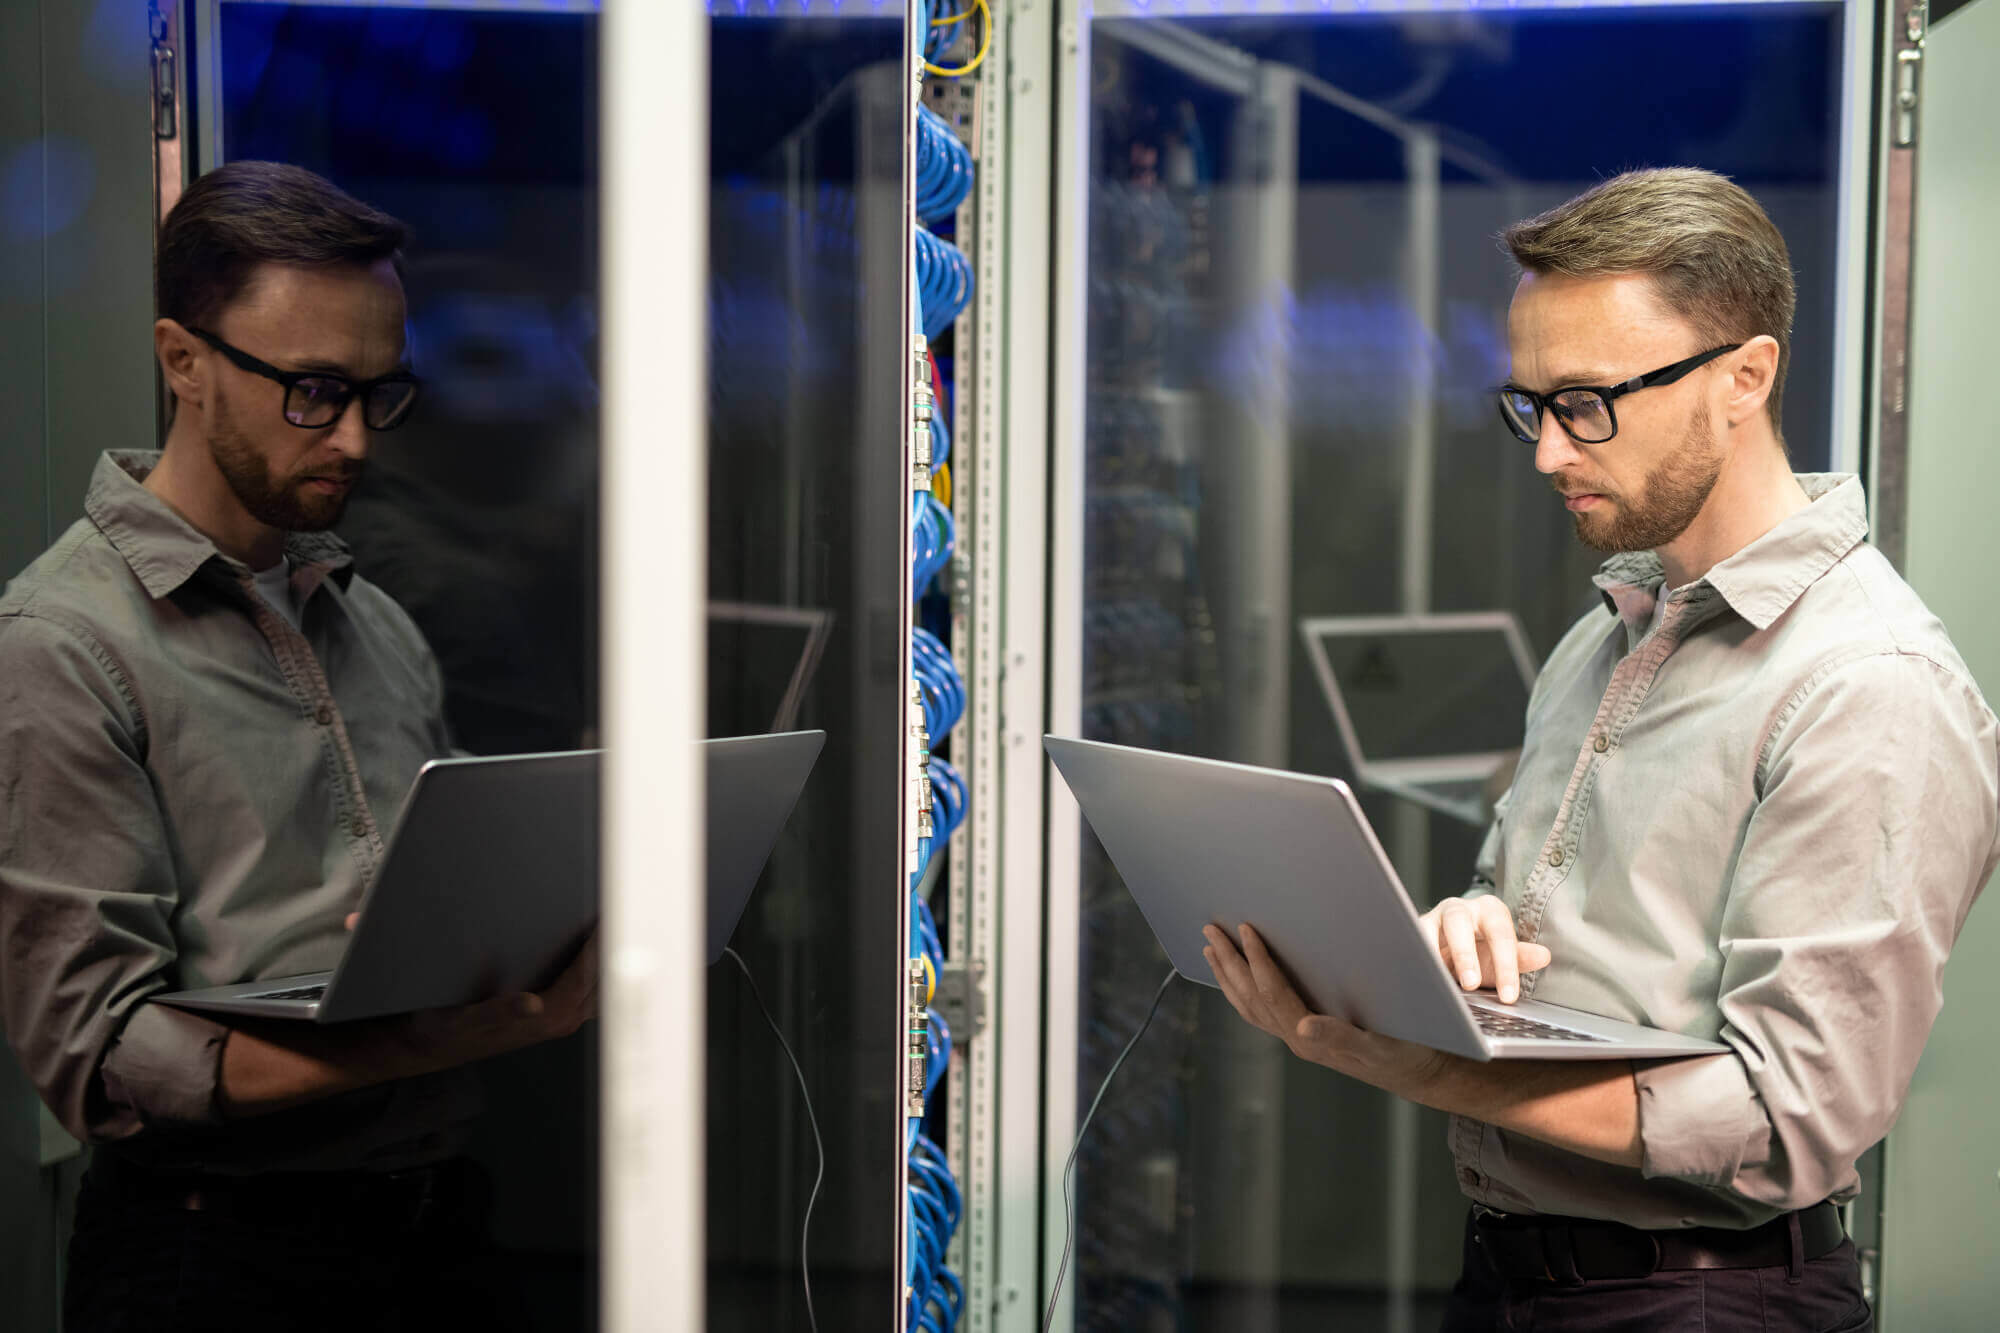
(761, 660)
(1428, 693)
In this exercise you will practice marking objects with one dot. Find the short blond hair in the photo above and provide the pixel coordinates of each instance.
(1716, 259)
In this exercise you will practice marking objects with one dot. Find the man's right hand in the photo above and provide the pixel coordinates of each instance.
(444, 1038)
(269, 1066)
(1475, 937)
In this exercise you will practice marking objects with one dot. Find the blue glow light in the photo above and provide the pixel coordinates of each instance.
(45, 186)
(248, 40)
(396, 29)
(446, 47)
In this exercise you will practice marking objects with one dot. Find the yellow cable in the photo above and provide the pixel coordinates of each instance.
(941, 484)
(985, 45)
(930, 976)
(955, 18)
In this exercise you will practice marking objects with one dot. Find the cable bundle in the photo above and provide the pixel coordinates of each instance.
(940, 433)
(942, 31)
(941, 22)
(932, 536)
(944, 282)
(949, 789)
(940, 436)
(944, 167)
(943, 688)
(933, 1203)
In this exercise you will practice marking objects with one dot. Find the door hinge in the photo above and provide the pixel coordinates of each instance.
(1909, 74)
(166, 120)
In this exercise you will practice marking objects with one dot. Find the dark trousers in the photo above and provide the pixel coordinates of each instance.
(1826, 1298)
(300, 1254)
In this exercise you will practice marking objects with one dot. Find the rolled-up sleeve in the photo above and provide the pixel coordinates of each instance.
(1874, 832)
(87, 896)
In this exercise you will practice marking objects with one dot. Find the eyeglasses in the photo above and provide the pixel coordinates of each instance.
(315, 400)
(1585, 411)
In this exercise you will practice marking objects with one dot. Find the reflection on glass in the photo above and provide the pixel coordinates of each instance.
(479, 514)
(1417, 691)
(479, 127)
(807, 542)
(1296, 318)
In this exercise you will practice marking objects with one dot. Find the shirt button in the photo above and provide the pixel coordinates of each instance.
(359, 827)
(324, 716)
(1601, 744)
(1556, 857)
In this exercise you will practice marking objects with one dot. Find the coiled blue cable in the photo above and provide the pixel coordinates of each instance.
(938, 683)
(942, 280)
(940, 435)
(938, 39)
(944, 168)
(949, 789)
(933, 537)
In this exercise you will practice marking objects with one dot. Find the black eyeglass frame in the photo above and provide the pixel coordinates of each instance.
(1546, 405)
(290, 379)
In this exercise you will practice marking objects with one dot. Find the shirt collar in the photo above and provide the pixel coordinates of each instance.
(1761, 581)
(163, 549)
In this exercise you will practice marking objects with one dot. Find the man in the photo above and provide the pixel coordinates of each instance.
(205, 718)
(1758, 794)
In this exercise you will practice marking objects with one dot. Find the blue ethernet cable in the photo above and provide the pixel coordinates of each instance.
(944, 168)
(949, 789)
(943, 279)
(939, 684)
(940, 436)
(933, 536)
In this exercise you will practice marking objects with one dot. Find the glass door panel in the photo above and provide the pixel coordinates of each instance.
(477, 123)
(1294, 308)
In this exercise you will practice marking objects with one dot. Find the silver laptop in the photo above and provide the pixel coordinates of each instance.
(1427, 706)
(1199, 842)
(489, 883)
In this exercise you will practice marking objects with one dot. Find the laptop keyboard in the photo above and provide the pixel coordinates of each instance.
(312, 992)
(1513, 1025)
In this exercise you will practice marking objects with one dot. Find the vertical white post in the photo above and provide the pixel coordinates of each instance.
(1063, 837)
(1421, 265)
(1257, 602)
(654, 91)
(1019, 1164)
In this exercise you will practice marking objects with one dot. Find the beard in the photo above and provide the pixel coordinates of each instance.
(284, 504)
(1669, 500)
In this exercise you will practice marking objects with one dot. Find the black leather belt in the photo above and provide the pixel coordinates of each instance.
(1569, 1250)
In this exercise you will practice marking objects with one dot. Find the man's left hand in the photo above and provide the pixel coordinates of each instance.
(1259, 990)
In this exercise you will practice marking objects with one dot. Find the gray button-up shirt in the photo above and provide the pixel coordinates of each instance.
(192, 793)
(1763, 821)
